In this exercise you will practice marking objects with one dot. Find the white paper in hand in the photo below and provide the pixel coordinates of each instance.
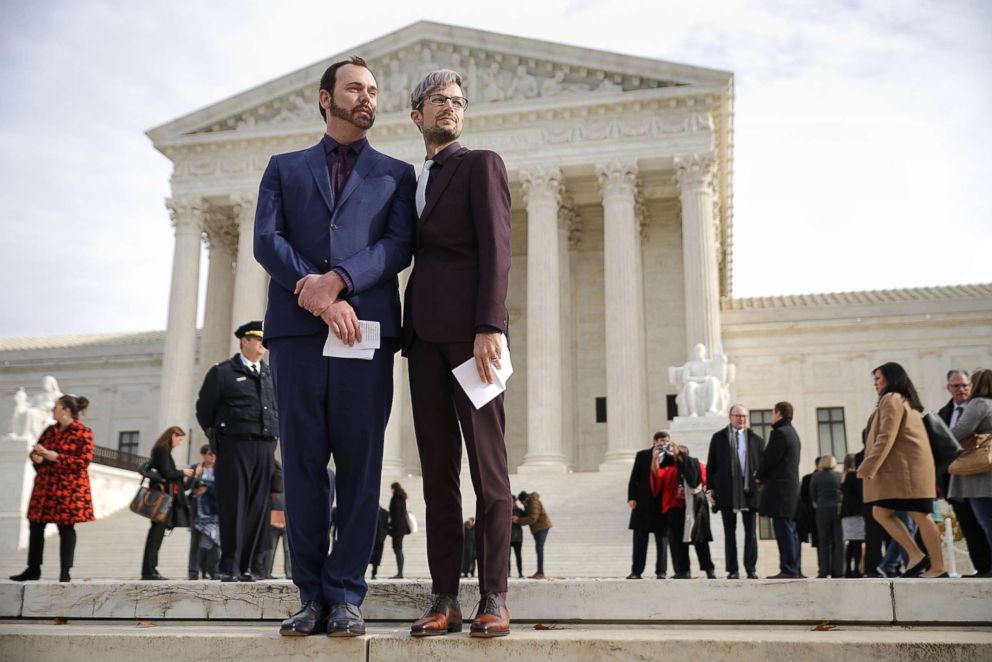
(360, 350)
(477, 390)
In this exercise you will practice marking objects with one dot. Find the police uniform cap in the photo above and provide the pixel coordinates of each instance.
(249, 329)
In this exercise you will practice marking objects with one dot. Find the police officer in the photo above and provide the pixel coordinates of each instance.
(237, 410)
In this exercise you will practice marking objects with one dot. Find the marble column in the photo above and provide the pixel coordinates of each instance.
(542, 190)
(626, 377)
(179, 353)
(392, 452)
(250, 280)
(700, 270)
(222, 241)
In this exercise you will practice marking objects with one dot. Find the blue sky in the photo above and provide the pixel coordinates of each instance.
(862, 138)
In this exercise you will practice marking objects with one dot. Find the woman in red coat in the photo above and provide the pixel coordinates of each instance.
(61, 492)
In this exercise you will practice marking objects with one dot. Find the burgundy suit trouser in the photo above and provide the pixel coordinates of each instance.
(439, 406)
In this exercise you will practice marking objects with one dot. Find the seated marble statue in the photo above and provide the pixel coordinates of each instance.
(702, 383)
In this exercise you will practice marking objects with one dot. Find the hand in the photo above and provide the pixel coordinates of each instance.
(187, 472)
(37, 459)
(514, 519)
(711, 499)
(317, 293)
(198, 471)
(632, 504)
(487, 354)
(200, 491)
(340, 316)
(46, 454)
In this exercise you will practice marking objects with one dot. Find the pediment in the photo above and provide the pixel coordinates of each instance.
(499, 71)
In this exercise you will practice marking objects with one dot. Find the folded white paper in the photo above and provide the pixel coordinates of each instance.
(477, 390)
(360, 350)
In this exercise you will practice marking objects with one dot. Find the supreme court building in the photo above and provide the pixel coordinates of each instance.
(621, 174)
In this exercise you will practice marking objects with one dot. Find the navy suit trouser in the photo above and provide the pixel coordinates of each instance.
(338, 408)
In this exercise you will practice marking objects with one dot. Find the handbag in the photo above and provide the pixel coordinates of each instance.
(151, 503)
(943, 444)
(975, 459)
(411, 522)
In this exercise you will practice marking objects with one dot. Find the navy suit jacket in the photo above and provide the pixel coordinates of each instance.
(300, 229)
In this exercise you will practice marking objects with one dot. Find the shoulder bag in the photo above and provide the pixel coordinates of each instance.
(151, 502)
(976, 458)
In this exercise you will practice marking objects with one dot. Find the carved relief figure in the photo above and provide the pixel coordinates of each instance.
(491, 88)
(523, 85)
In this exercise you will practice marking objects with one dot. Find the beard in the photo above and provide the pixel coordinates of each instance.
(351, 116)
(438, 135)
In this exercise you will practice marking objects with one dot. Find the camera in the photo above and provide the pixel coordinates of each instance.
(666, 448)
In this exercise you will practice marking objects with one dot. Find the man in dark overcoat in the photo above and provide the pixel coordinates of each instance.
(733, 459)
(778, 475)
(645, 513)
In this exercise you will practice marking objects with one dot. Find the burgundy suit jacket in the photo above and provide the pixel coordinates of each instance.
(462, 251)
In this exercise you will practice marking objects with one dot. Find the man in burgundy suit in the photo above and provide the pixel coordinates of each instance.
(455, 311)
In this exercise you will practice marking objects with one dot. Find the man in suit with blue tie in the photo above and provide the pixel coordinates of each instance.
(333, 228)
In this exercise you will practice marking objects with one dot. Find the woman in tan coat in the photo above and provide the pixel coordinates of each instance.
(898, 469)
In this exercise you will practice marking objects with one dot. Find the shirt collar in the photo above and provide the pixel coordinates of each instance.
(330, 144)
(445, 154)
(248, 364)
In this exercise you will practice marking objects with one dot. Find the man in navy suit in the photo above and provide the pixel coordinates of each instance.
(334, 226)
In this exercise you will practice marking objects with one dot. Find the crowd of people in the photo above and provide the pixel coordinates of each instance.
(873, 518)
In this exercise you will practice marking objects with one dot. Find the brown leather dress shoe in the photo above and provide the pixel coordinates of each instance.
(444, 615)
(492, 619)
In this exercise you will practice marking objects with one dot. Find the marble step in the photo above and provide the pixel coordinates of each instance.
(865, 601)
(96, 641)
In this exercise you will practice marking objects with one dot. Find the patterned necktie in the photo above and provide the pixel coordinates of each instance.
(339, 170)
(957, 415)
(421, 197)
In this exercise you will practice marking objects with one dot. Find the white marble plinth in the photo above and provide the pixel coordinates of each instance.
(17, 477)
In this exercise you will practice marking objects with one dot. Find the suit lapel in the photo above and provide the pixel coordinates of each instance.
(363, 166)
(444, 177)
(317, 161)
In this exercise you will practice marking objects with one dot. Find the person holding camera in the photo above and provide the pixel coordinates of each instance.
(204, 532)
(678, 479)
(645, 513)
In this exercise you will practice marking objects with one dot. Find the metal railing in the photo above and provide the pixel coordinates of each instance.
(112, 457)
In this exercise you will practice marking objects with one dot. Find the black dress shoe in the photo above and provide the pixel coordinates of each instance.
(29, 575)
(225, 577)
(918, 569)
(246, 577)
(311, 619)
(154, 577)
(682, 575)
(751, 574)
(733, 575)
(345, 620)
(710, 574)
(661, 575)
(64, 575)
(633, 576)
(942, 575)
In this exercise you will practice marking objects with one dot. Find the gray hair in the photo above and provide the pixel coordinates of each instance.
(956, 371)
(435, 80)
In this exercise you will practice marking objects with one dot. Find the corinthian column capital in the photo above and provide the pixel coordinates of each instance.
(617, 177)
(243, 207)
(542, 183)
(695, 171)
(186, 214)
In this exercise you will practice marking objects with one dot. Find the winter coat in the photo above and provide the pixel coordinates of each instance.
(61, 493)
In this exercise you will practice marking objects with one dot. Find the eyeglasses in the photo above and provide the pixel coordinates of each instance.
(959, 385)
(458, 103)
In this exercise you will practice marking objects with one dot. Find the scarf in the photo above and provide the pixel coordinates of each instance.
(737, 473)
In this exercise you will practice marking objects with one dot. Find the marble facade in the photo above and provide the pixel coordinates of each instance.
(621, 184)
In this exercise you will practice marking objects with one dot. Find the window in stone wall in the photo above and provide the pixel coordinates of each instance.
(600, 410)
(761, 422)
(127, 441)
(831, 433)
